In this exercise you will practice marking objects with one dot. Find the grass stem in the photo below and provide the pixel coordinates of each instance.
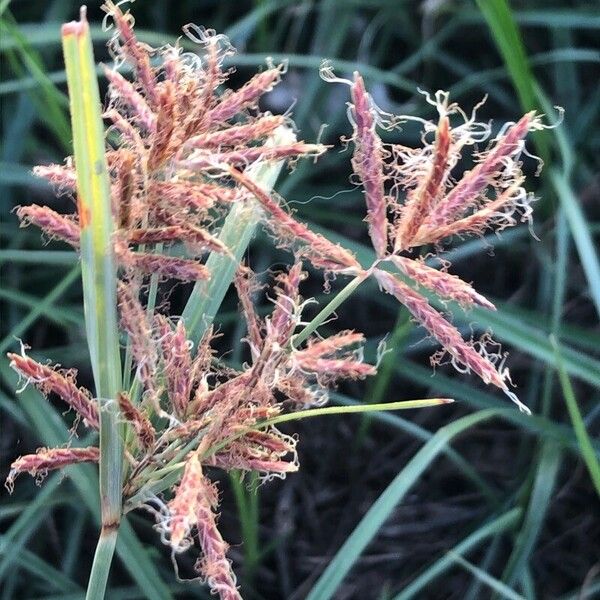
(99, 282)
(328, 310)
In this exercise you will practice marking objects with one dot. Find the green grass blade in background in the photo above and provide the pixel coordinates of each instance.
(61, 315)
(547, 468)
(491, 582)
(587, 451)
(49, 100)
(419, 433)
(99, 276)
(3, 6)
(370, 524)
(499, 18)
(36, 257)
(581, 234)
(497, 526)
(27, 523)
(44, 305)
(34, 565)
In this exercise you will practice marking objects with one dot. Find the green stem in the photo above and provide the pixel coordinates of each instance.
(99, 282)
(236, 233)
(102, 560)
(246, 499)
(328, 310)
(172, 472)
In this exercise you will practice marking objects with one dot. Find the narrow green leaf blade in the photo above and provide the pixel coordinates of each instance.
(370, 524)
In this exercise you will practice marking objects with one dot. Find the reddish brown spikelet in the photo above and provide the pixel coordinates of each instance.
(213, 565)
(187, 195)
(368, 165)
(61, 176)
(285, 318)
(135, 323)
(141, 423)
(422, 199)
(137, 53)
(449, 337)
(238, 134)
(443, 284)
(246, 286)
(190, 234)
(297, 393)
(247, 96)
(48, 459)
(263, 451)
(326, 359)
(177, 364)
(199, 237)
(51, 223)
(183, 508)
(156, 235)
(123, 188)
(204, 98)
(334, 343)
(229, 393)
(126, 93)
(202, 360)
(339, 258)
(48, 380)
(246, 459)
(466, 192)
(129, 133)
(272, 440)
(166, 266)
(250, 414)
(190, 428)
(336, 368)
(499, 213)
(163, 141)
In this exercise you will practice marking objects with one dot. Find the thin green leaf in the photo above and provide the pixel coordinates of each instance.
(486, 578)
(489, 529)
(37, 257)
(99, 277)
(539, 501)
(587, 450)
(581, 234)
(236, 233)
(370, 524)
(419, 433)
(499, 18)
(34, 565)
(26, 524)
(41, 308)
(57, 314)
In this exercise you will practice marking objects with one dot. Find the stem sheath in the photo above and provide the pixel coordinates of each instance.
(99, 278)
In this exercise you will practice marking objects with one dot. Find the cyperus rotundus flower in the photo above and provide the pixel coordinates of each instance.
(184, 158)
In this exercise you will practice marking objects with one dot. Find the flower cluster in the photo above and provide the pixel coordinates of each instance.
(179, 161)
(414, 199)
(177, 139)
